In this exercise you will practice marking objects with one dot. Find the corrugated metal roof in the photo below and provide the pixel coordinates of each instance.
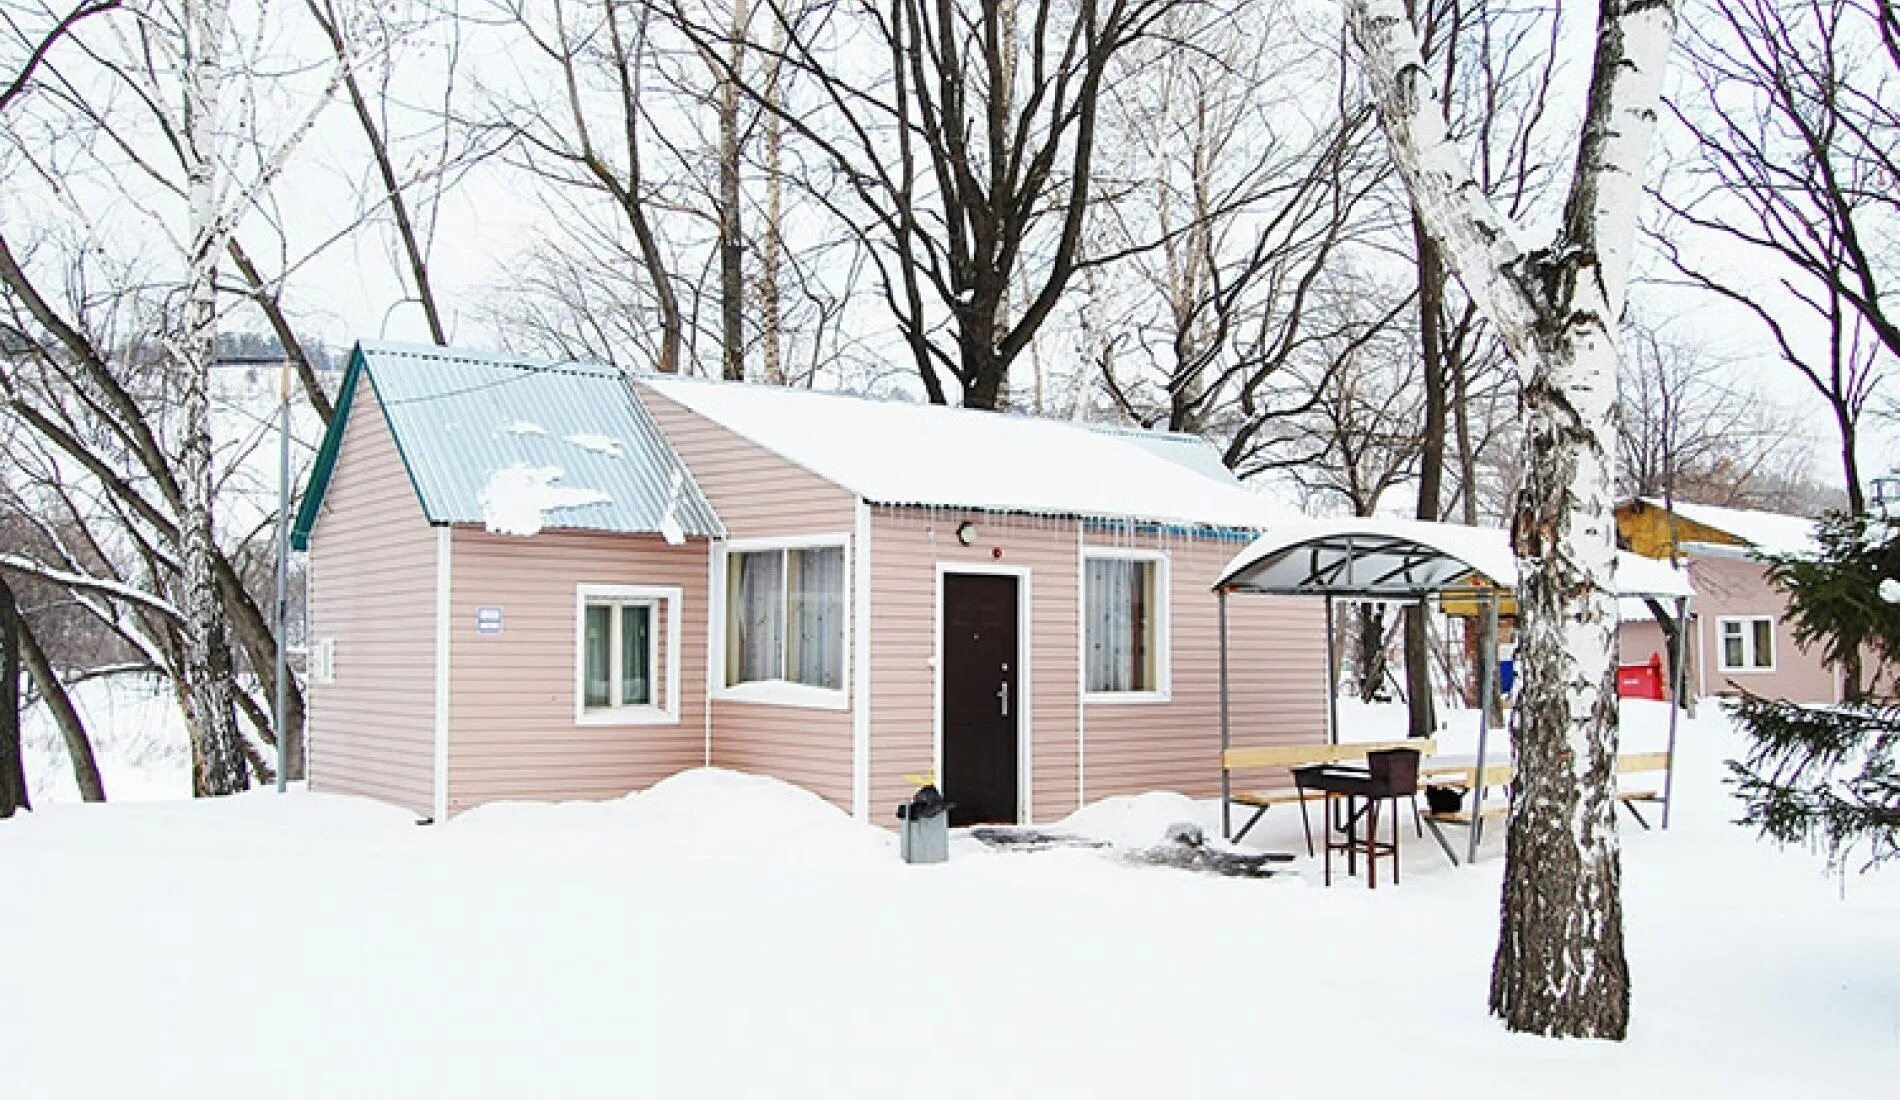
(458, 417)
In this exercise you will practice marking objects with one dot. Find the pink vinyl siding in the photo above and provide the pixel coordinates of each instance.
(372, 585)
(1736, 588)
(1277, 689)
(907, 546)
(512, 727)
(761, 495)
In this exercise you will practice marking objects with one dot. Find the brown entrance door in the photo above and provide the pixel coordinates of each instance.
(980, 677)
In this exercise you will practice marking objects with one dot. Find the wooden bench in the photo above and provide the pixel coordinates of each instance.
(1466, 777)
(1288, 757)
(1640, 763)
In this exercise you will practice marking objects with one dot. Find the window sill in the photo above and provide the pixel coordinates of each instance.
(1745, 670)
(1126, 698)
(627, 716)
(784, 693)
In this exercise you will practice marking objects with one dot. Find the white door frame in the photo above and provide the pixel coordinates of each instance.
(1025, 800)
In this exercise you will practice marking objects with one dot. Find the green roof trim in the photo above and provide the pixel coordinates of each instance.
(320, 474)
(459, 418)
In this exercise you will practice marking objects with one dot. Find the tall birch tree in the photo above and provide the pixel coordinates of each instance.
(218, 763)
(1560, 968)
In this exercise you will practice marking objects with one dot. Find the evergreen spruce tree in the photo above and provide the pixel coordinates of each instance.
(1827, 775)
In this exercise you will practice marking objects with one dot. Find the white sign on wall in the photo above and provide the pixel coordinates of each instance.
(488, 620)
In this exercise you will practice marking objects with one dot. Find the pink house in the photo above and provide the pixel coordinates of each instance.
(1739, 638)
(532, 580)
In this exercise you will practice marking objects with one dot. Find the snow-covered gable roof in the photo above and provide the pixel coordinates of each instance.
(1768, 532)
(907, 453)
(518, 445)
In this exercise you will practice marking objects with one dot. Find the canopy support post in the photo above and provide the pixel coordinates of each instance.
(1485, 688)
(1226, 806)
(1332, 676)
(1675, 702)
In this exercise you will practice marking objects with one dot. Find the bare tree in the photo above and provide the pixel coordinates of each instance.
(1238, 202)
(1687, 429)
(966, 165)
(1560, 967)
(129, 423)
(1793, 116)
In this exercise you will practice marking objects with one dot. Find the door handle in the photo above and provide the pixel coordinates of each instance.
(1002, 696)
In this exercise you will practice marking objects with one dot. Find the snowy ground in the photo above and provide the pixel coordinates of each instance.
(725, 935)
(138, 740)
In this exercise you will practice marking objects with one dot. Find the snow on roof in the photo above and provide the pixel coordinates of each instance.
(518, 444)
(1769, 532)
(907, 453)
(1384, 557)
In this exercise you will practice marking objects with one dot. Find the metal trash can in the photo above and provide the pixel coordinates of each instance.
(924, 832)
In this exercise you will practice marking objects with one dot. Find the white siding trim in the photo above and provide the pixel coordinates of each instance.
(444, 541)
(860, 642)
(715, 659)
(1081, 669)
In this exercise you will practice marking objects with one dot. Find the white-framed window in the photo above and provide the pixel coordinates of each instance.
(1125, 626)
(779, 627)
(626, 654)
(1745, 644)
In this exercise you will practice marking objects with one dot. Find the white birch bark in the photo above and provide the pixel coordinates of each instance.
(218, 763)
(1560, 967)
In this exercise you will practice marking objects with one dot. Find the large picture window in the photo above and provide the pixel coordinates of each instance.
(1747, 644)
(627, 654)
(1125, 642)
(785, 616)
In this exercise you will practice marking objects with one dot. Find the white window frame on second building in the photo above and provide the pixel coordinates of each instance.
(1748, 643)
(777, 692)
(1163, 690)
(665, 602)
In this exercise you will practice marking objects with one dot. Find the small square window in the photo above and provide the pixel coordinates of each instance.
(625, 633)
(1746, 644)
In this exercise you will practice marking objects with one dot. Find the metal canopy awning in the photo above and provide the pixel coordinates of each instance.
(1413, 560)
(1397, 559)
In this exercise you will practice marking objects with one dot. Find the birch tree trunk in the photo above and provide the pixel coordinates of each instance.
(1560, 968)
(218, 766)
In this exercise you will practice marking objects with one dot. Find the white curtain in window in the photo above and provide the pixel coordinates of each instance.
(755, 624)
(815, 592)
(1120, 624)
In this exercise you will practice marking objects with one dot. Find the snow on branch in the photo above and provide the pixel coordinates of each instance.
(113, 589)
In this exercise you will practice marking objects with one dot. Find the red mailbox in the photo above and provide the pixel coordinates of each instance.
(1644, 681)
